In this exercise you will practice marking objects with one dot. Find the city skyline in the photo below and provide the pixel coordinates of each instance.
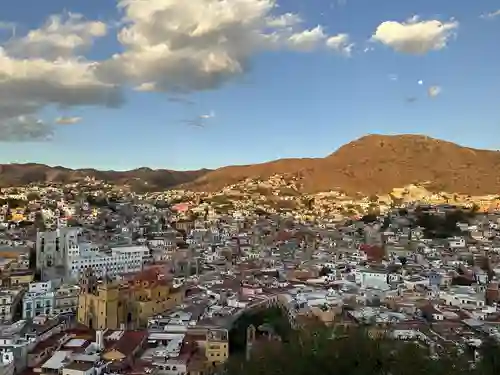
(213, 83)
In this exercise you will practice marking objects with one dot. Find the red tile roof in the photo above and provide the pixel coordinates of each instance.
(128, 343)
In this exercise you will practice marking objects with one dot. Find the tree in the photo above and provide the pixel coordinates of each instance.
(358, 351)
(39, 221)
(32, 196)
(32, 258)
(325, 271)
(369, 218)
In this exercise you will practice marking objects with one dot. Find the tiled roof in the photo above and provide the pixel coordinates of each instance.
(128, 343)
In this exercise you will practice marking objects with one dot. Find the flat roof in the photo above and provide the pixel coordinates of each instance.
(57, 360)
(75, 343)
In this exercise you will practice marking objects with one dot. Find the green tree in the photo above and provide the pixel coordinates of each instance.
(32, 196)
(324, 351)
(39, 221)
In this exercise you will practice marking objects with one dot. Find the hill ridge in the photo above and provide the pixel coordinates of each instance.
(374, 163)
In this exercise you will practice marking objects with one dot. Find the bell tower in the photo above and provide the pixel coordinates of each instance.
(88, 282)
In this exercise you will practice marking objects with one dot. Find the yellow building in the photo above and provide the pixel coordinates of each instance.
(98, 303)
(217, 346)
(214, 345)
(21, 277)
(17, 215)
(112, 305)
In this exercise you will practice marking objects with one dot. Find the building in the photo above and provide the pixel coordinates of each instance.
(52, 251)
(10, 300)
(38, 300)
(117, 261)
(99, 306)
(42, 298)
(217, 346)
(61, 256)
(113, 305)
(66, 299)
(20, 277)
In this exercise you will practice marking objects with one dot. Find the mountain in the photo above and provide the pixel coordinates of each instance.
(371, 164)
(22, 174)
(377, 164)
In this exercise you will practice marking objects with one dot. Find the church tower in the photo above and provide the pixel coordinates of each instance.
(88, 282)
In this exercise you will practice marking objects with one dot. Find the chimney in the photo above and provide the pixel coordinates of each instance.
(99, 337)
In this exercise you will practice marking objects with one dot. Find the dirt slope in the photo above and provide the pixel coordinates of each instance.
(371, 164)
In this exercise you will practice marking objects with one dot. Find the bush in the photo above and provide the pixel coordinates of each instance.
(369, 218)
(441, 227)
(322, 351)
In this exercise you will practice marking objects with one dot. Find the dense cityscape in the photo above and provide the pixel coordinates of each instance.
(99, 279)
(249, 187)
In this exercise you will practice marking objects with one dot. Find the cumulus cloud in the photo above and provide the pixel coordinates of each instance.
(61, 36)
(166, 46)
(414, 36)
(341, 43)
(199, 44)
(66, 120)
(43, 68)
(25, 129)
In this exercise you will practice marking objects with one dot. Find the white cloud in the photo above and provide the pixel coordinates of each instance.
(340, 43)
(199, 44)
(61, 36)
(414, 36)
(307, 40)
(208, 116)
(43, 69)
(434, 91)
(146, 87)
(65, 120)
(25, 129)
(491, 15)
(166, 46)
(65, 82)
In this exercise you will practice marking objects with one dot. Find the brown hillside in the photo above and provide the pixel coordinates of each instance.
(377, 164)
(219, 178)
(371, 164)
(23, 174)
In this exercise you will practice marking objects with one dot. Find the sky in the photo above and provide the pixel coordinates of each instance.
(206, 83)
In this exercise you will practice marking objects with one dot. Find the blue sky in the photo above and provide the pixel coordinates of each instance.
(288, 102)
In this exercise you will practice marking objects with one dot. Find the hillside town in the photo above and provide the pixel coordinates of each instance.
(98, 279)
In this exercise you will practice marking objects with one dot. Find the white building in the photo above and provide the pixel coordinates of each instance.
(119, 260)
(462, 296)
(38, 300)
(373, 278)
(42, 298)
